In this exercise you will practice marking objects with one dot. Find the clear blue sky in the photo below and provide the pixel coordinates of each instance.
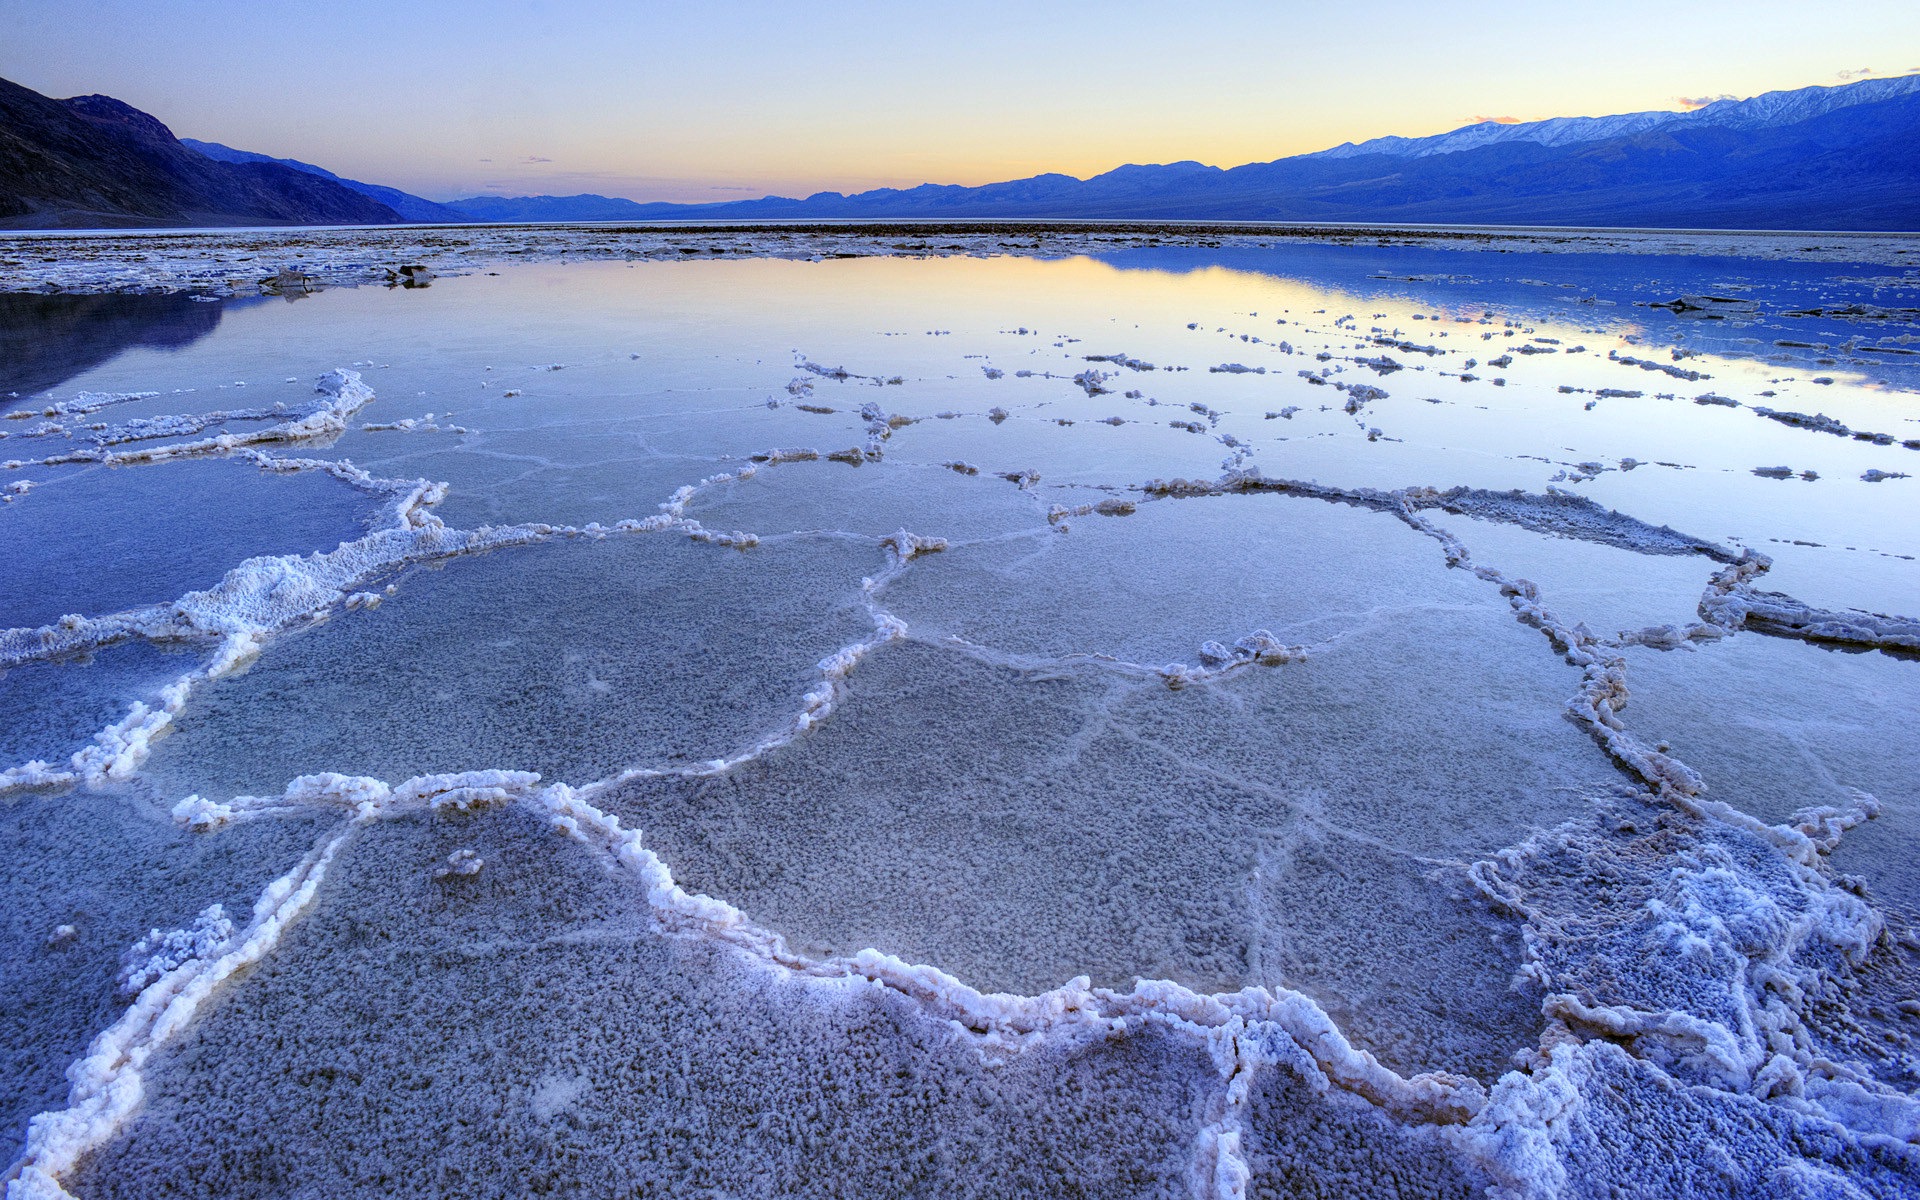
(730, 98)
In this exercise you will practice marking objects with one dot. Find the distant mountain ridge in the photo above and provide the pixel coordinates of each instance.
(584, 207)
(1770, 109)
(92, 160)
(1844, 157)
(410, 207)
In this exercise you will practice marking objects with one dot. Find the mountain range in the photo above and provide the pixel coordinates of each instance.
(409, 207)
(92, 161)
(1840, 158)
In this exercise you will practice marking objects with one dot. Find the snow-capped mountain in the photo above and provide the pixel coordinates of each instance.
(1844, 157)
(1769, 110)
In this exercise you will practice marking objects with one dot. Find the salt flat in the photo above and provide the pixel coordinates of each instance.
(996, 709)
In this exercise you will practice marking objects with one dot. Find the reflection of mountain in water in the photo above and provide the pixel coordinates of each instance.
(47, 340)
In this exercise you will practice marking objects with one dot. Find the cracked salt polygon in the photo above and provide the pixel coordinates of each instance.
(872, 501)
(1046, 824)
(1775, 726)
(1402, 768)
(1608, 588)
(575, 659)
(685, 1058)
(1177, 573)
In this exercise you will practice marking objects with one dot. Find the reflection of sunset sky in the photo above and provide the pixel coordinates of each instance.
(689, 102)
(678, 346)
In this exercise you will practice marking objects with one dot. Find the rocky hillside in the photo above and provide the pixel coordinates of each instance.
(92, 162)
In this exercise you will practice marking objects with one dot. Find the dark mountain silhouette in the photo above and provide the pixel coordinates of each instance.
(410, 207)
(93, 161)
(586, 207)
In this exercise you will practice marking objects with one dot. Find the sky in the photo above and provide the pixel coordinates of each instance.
(729, 99)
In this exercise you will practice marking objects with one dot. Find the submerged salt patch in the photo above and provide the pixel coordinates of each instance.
(661, 692)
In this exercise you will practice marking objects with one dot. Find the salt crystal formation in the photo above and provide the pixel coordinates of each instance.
(985, 751)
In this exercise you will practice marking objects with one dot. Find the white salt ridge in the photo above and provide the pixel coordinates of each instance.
(1740, 604)
(1114, 507)
(159, 953)
(1718, 963)
(263, 595)
(34, 774)
(82, 404)
(120, 748)
(108, 1082)
(142, 429)
(427, 424)
(342, 393)
(1240, 1027)
(1731, 603)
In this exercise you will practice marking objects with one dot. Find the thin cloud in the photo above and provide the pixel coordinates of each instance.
(1692, 102)
(1862, 73)
(1496, 120)
(534, 158)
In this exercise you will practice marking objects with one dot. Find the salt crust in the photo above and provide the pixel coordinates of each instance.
(1521, 1136)
(223, 262)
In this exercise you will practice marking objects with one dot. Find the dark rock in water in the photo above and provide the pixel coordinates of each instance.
(1705, 305)
(92, 162)
(290, 281)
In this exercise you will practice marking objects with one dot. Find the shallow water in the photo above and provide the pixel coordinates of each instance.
(1180, 721)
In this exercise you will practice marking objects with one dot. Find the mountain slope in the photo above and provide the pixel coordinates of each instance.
(1817, 158)
(410, 207)
(1772, 109)
(93, 161)
(585, 207)
(1820, 158)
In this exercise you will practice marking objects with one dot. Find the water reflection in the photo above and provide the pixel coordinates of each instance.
(47, 340)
